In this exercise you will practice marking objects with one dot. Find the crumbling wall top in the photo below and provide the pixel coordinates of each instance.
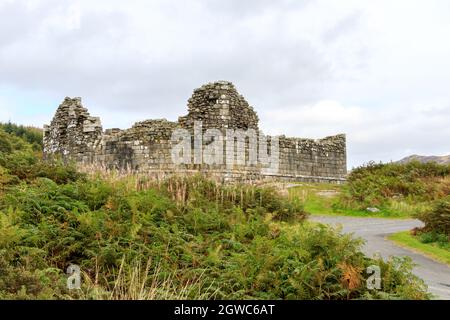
(148, 145)
(72, 130)
(219, 105)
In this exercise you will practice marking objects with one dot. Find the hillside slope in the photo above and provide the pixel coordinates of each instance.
(426, 159)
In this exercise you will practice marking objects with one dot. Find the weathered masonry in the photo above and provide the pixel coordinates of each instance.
(147, 147)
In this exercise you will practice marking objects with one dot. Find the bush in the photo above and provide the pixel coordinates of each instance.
(201, 239)
(234, 252)
(197, 191)
(31, 135)
(5, 144)
(26, 166)
(437, 220)
(10, 144)
(377, 185)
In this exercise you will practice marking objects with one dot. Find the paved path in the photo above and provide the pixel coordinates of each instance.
(375, 230)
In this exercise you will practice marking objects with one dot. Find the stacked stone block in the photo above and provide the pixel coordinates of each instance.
(309, 159)
(219, 105)
(73, 132)
(146, 147)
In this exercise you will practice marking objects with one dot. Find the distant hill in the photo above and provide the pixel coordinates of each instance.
(424, 159)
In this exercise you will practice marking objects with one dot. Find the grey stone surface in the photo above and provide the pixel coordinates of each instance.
(146, 147)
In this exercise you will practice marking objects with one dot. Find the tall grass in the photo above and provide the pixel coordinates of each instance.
(139, 281)
(397, 189)
(185, 189)
(139, 237)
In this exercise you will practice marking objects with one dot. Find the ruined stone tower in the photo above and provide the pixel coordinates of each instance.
(219, 105)
(72, 132)
(148, 146)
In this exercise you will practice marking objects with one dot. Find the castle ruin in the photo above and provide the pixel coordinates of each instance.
(148, 146)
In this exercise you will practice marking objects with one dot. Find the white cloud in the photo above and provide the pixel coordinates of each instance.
(379, 134)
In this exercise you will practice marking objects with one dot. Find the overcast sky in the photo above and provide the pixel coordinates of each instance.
(378, 71)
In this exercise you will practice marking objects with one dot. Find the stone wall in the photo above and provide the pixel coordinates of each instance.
(218, 105)
(313, 160)
(147, 147)
(73, 132)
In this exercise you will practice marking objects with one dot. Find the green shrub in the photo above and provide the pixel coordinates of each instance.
(196, 191)
(377, 185)
(6, 179)
(201, 239)
(437, 220)
(237, 253)
(31, 135)
(26, 166)
(10, 143)
(19, 159)
(5, 144)
(42, 199)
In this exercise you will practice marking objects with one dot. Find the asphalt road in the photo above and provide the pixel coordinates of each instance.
(375, 230)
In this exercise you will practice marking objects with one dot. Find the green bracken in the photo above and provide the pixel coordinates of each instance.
(177, 238)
